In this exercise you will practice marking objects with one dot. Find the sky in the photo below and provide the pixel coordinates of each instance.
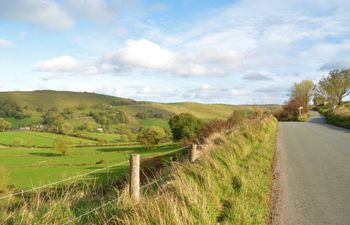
(236, 52)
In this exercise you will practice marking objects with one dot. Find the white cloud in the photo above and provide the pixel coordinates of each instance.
(61, 64)
(45, 12)
(5, 43)
(146, 54)
(69, 64)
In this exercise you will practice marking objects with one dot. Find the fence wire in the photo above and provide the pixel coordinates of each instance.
(78, 218)
(82, 175)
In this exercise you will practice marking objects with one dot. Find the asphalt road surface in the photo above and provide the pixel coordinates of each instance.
(314, 173)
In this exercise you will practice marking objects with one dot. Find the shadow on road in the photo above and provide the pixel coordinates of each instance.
(319, 119)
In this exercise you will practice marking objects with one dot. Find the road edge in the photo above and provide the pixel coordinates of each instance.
(275, 193)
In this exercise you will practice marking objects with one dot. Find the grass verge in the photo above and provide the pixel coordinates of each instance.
(339, 117)
(229, 184)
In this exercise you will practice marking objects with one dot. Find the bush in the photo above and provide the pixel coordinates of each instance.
(124, 138)
(4, 125)
(151, 136)
(290, 111)
(185, 126)
(18, 142)
(63, 144)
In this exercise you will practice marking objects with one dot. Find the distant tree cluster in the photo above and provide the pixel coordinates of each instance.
(107, 118)
(10, 109)
(4, 125)
(333, 88)
(330, 90)
(297, 106)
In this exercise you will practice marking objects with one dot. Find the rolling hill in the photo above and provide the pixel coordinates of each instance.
(34, 104)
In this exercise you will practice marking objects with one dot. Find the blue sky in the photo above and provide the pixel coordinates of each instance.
(238, 52)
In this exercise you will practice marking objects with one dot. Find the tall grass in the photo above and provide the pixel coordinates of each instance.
(229, 184)
(3, 181)
(339, 117)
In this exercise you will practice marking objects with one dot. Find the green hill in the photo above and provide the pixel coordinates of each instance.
(79, 108)
(32, 101)
(61, 99)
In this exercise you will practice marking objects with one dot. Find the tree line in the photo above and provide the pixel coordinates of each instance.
(330, 90)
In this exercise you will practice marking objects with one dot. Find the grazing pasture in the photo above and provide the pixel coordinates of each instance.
(36, 139)
(158, 122)
(111, 138)
(29, 168)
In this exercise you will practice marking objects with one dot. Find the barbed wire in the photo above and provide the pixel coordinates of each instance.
(80, 175)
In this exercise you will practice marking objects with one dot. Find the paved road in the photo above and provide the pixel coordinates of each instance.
(314, 166)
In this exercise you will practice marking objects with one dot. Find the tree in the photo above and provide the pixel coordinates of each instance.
(63, 144)
(67, 128)
(54, 120)
(185, 126)
(151, 136)
(335, 86)
(10, 109)
(303, 91)
(4, 125)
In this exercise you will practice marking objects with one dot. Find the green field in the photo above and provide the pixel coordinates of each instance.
(37, 139)
(111, 138)
(155, 122)
(29, 168)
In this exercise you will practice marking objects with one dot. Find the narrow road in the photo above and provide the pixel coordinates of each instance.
(314, 173)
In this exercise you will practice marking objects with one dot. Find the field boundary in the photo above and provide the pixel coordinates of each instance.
(87, 173)
(78, 218)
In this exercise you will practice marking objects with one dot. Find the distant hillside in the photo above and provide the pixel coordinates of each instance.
(82, 109)
(61, 99)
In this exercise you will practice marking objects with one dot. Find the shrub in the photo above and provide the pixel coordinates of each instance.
(63, 144)
(100, 162)
(290, 111)
(151, 136)
(124, 138)
(18, 142)
(185, 126)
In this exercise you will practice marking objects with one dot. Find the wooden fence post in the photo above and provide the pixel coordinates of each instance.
(193, 152)
(134, 186)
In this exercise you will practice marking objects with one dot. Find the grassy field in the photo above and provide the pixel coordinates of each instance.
(111, 138)
(155, 122)
(229, 184)
(38, 139)
(29, 168)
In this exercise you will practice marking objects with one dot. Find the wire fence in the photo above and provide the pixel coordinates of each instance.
(78, 218)
(84, 174)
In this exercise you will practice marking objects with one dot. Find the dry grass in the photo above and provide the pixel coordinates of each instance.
(339, 117)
